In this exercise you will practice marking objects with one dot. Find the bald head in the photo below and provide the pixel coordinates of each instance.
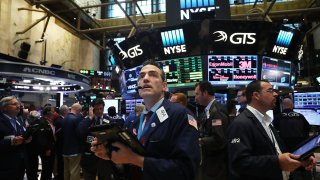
(287, 103)
(76, 108)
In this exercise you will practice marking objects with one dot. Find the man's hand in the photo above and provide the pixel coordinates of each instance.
(17, 140)
(124, 155)
(28, 140)
(309, 163)
(288, 162)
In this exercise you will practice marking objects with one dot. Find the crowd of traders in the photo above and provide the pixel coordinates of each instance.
(178, 145)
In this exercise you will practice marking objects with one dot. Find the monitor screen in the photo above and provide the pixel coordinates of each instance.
(221, 98)
(132, 103)
(131, 79)
(182, 72)
(307, 100)
(276, 71)
(110, 102)
(311, 115)
(232, 69)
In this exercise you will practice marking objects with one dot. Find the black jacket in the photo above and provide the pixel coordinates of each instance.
(252, 155)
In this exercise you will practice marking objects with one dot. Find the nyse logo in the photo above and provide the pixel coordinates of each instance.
(235, 38)
(195, 6)
(132, 52)
(173, 42)
(283, 41)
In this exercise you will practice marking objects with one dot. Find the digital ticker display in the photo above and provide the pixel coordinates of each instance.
(232, 69)
(182, 72)
(276, 71)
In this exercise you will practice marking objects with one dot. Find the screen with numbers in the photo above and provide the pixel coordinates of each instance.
(182, 72)
(232, 69)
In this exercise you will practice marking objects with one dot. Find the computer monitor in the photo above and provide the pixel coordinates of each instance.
(110, 102)
(309, 100)
(311, 115)
(232, 69)
(276, 71)
(182, 72)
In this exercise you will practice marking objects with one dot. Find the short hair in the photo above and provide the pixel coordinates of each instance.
(97, 101)
(182, 98)
(112, 111)
(254, 86)
(5, 101)
(154, 63)
(63, 109)
(46, 110)
(139, 108)
(34, 114)
(206, 86)
(243, 90)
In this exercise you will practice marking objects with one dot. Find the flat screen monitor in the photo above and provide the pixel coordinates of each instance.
(182, 72)
(131, 79)
(221, 98)
(110, 102)
(131, 104)
(276, 71)
(311, 115)
(307, 100)
(232, 69)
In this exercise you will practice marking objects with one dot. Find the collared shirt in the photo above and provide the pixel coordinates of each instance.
(207, 109)
(265, 121)
(154, 108)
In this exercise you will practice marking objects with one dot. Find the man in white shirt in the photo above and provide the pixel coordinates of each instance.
(254, 149)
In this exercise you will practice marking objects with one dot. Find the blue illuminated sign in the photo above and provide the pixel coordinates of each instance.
(172, 38)
(195, 3)
(284, 38)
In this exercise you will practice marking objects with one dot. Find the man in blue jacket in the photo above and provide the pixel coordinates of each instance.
(169, 134)
(12, 143)
(254, 147)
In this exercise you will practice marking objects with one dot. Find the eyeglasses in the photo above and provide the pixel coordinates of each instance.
(240, 95)
(270, 90)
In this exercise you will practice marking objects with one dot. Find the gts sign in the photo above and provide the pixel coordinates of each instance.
(235, 38)
(131, 53)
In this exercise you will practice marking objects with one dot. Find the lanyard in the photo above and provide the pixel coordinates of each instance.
(146, 126)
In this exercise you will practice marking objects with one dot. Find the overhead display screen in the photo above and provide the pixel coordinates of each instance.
(276, 71)
(182, 72)
(232, 69)
(131, 79)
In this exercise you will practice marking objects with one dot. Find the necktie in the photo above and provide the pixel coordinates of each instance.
(14, 124)
(97, 121)
(147, 118)
(145, 123)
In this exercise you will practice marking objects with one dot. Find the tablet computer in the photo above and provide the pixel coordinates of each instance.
(113, 132)
(308, 147)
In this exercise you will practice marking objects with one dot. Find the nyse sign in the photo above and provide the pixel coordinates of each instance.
(175, 49)
(279, 50)
(185, 13)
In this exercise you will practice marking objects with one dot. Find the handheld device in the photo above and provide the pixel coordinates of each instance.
(308, 147)
(109, 133)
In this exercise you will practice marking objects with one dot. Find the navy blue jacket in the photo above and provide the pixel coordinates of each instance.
(11, 157)
(172, 145)
(71, 137)
(252, 155)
